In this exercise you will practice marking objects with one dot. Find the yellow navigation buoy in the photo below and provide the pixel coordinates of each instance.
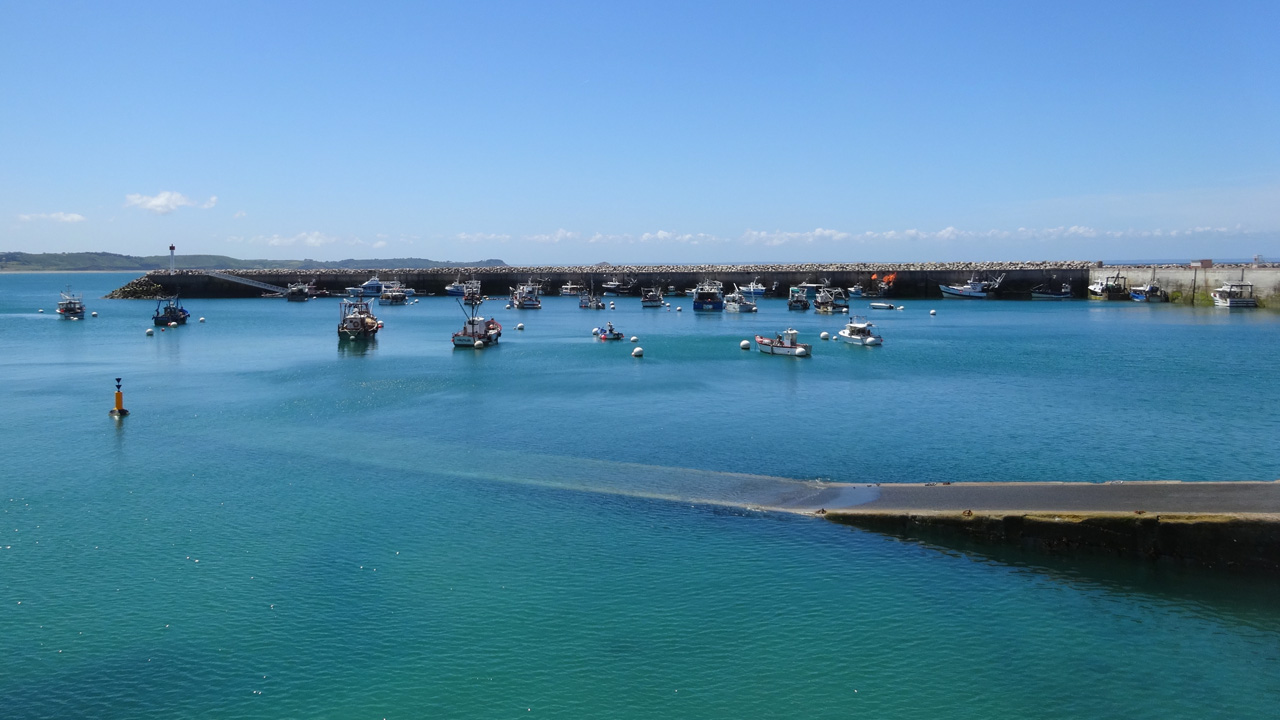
(118, 411)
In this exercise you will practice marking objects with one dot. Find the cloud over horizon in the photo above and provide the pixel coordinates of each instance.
(165, 202)
(62, 217)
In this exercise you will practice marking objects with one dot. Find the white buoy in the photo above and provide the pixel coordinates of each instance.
(668, 304)
(508, 307)
(519, 326)
(745, 344)
(201, 319)
(933, 312)
(638, 352)
(40, 310)
(93, 314)
(595, 331)
(678, 308)
(801, 352)
(173, 324)
(150, 332)
(901, 307)
(635, 339)
(825, 336)
(478, 344)
(73, 317)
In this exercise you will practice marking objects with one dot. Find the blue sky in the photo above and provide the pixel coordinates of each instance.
(642, 132)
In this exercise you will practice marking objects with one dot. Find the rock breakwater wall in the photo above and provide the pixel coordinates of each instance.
(911, 279)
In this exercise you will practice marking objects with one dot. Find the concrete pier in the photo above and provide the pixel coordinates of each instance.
(1221, 525)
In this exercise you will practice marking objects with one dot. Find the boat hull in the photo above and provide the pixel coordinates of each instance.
(880, 306)
(961, 293)
(866, 340)
(770, 347)
(708, 305)
(1050, 296)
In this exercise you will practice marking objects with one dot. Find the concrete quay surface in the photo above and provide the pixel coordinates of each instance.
(1231, 526)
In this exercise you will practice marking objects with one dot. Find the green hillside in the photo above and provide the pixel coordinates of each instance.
(102, 262)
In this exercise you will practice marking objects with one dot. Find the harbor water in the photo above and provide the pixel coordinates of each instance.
(291, 526)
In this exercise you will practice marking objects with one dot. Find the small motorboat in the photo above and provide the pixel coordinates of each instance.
(783, 344)
(881, 306)
(858, 332)
(71, 306)
(1044, 292)
(608, 332)
(1234, 295)
(477, 332)
(169, 310)
(356, 320)
(798, 299)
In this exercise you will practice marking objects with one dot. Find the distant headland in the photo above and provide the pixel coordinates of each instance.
(109, 262)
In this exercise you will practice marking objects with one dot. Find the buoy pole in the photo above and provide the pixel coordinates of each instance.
(118, 411)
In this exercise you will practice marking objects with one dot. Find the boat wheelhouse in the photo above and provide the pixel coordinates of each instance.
(1235, 295)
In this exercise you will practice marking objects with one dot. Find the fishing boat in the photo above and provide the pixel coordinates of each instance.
(709, 296)
(881, 306)
(1234, 295)
(811, 288)
(858, 331)
(392, 296)
(830, 301)
(457, 288)
(472, 295)
(169, 310)
(974, 289)
(783, 344)
(1148, 293)
(397, 286)
(625, 286)
(673, 291)
(477, 332)
(570, 289)
(587, 301)
(356, 321)
(797, 300)
(71, 305)
(1044, 292)
(739, 302)
(525, 296)
(1114, 287)
(651, 297)
(855, 291)
(370, 288)
(752, 290)
(298, 292)
(608, 332)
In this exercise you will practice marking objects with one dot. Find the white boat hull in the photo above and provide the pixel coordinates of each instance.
(949, 291)
(844, 335)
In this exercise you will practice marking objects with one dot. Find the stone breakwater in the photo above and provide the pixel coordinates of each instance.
(911, 279)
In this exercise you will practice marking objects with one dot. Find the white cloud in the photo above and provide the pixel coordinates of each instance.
(239, 214)
(165, 202)
(380, 244)
(55, 217)
(555, 237)
(309, 239)
(481, 237)
(775, 238)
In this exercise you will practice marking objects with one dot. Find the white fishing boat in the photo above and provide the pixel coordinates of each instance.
(752, 290)
(1148, 293)
(858, 332)
(651, 298)
(71, 306)
(298, 292)
(974, 289)
(587, 301)
(739, 302)
(525, 297)
(1044, 292)
(709, 296)
(1235, 295)
(1115, 287)
(476, 329)
(570, 289)
(783, 344)
(797, 300)
(356, 320)
(370, 288)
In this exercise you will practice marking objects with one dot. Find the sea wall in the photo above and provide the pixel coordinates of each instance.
(1248, 543)
(911, 279)
(1184, 283)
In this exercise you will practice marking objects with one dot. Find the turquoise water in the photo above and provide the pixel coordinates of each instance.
(287, 527)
